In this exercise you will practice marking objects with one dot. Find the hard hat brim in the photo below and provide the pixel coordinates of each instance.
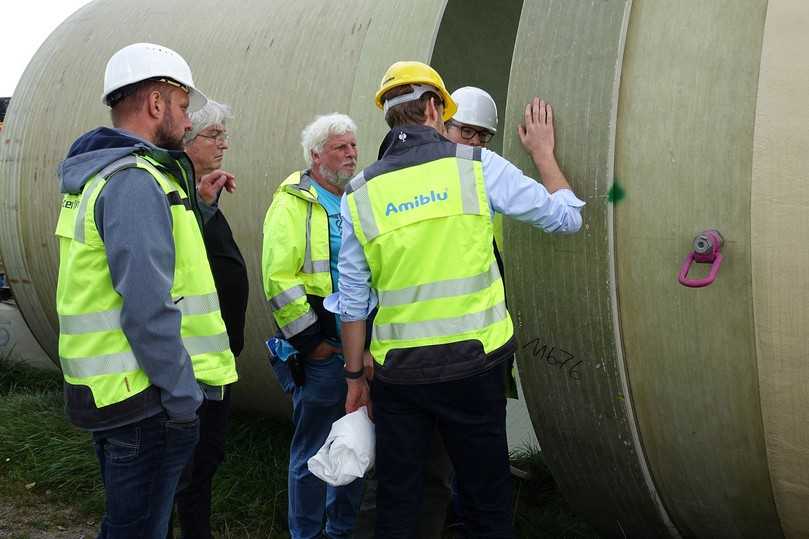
(196, 100)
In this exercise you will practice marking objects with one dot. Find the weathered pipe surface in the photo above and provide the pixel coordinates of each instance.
(665, 410)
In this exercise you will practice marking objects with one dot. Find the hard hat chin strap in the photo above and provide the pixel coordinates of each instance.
(418, 91)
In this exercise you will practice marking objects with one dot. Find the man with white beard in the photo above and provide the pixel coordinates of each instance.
(302, 238)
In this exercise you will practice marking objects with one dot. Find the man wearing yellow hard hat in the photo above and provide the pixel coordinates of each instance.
(417, 230)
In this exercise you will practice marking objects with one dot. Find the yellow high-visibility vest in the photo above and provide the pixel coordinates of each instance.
(296, 254)
(93, 349)
(426, 231)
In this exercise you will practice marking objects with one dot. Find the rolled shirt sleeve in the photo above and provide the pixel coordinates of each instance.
(514, 194)
(355, 275)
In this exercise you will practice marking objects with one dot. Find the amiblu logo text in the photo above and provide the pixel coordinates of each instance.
(418, 201)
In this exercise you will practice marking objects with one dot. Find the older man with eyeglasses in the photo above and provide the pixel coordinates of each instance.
(205, 145)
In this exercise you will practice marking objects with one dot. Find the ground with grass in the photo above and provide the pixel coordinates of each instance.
(50, 487)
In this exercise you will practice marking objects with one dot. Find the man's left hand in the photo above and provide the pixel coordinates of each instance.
(213, 182)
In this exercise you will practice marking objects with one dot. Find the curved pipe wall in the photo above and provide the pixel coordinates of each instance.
(667, 410)
(662, 411)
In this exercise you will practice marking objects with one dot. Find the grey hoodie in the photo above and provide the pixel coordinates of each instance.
(134, 219)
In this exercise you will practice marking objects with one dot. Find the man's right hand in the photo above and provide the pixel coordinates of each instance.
(209, 185)
(358, 395)
(324, 350)
(538, 138)
(536, 131)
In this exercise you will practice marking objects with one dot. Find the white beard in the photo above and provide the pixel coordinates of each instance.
(338, 178)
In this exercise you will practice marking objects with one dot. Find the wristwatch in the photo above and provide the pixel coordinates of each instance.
(353, 375)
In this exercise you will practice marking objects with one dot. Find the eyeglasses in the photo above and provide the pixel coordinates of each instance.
(468, 132)
(219, 138)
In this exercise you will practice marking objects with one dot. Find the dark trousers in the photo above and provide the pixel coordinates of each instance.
(140, 466)
(434, 502)
(470, 415)
(193, 498)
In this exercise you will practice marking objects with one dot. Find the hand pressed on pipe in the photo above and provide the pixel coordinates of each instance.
(537, 136)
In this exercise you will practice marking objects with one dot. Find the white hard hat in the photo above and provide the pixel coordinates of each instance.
(142, 61)
(475, 107)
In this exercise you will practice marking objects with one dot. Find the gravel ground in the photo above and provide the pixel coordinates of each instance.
(26, 515)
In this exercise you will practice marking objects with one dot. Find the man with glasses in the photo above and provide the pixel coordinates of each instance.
(475, 122)
(442, 335)
(140, 330)
(206, 144)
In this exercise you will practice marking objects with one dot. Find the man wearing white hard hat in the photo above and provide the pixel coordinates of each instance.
(141, 337)
(475, 121)
(475, 124)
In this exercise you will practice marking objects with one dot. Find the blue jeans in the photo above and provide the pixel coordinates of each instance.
(140, 467)
(316, 405)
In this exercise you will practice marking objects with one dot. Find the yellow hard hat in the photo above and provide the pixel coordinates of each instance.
(415, 73)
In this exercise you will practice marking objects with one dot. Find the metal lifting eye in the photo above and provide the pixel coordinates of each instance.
(706, 251)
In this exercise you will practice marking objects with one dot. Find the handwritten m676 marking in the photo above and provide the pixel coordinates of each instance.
(555, 357)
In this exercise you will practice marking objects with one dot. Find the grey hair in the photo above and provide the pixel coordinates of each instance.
(315, 135)
(212, 113)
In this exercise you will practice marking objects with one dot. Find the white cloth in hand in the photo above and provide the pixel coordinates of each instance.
(348, 452)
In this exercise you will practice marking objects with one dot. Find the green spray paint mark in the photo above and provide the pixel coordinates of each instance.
(616, 193)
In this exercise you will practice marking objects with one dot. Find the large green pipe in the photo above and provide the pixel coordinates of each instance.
(681, 412)
(278, 63)
(664, 409)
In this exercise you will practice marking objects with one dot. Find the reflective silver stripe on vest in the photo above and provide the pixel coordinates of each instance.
(203, 304)
(299, 324)
(441, 289)
(279, 301)
(366, 213)
(356, 182)
(318, 266)
(309, 265)
(441, 327)
(76, 324)
(466, 172)
(78, 230)
(106, 172)
(83, 367)
(205, 344)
